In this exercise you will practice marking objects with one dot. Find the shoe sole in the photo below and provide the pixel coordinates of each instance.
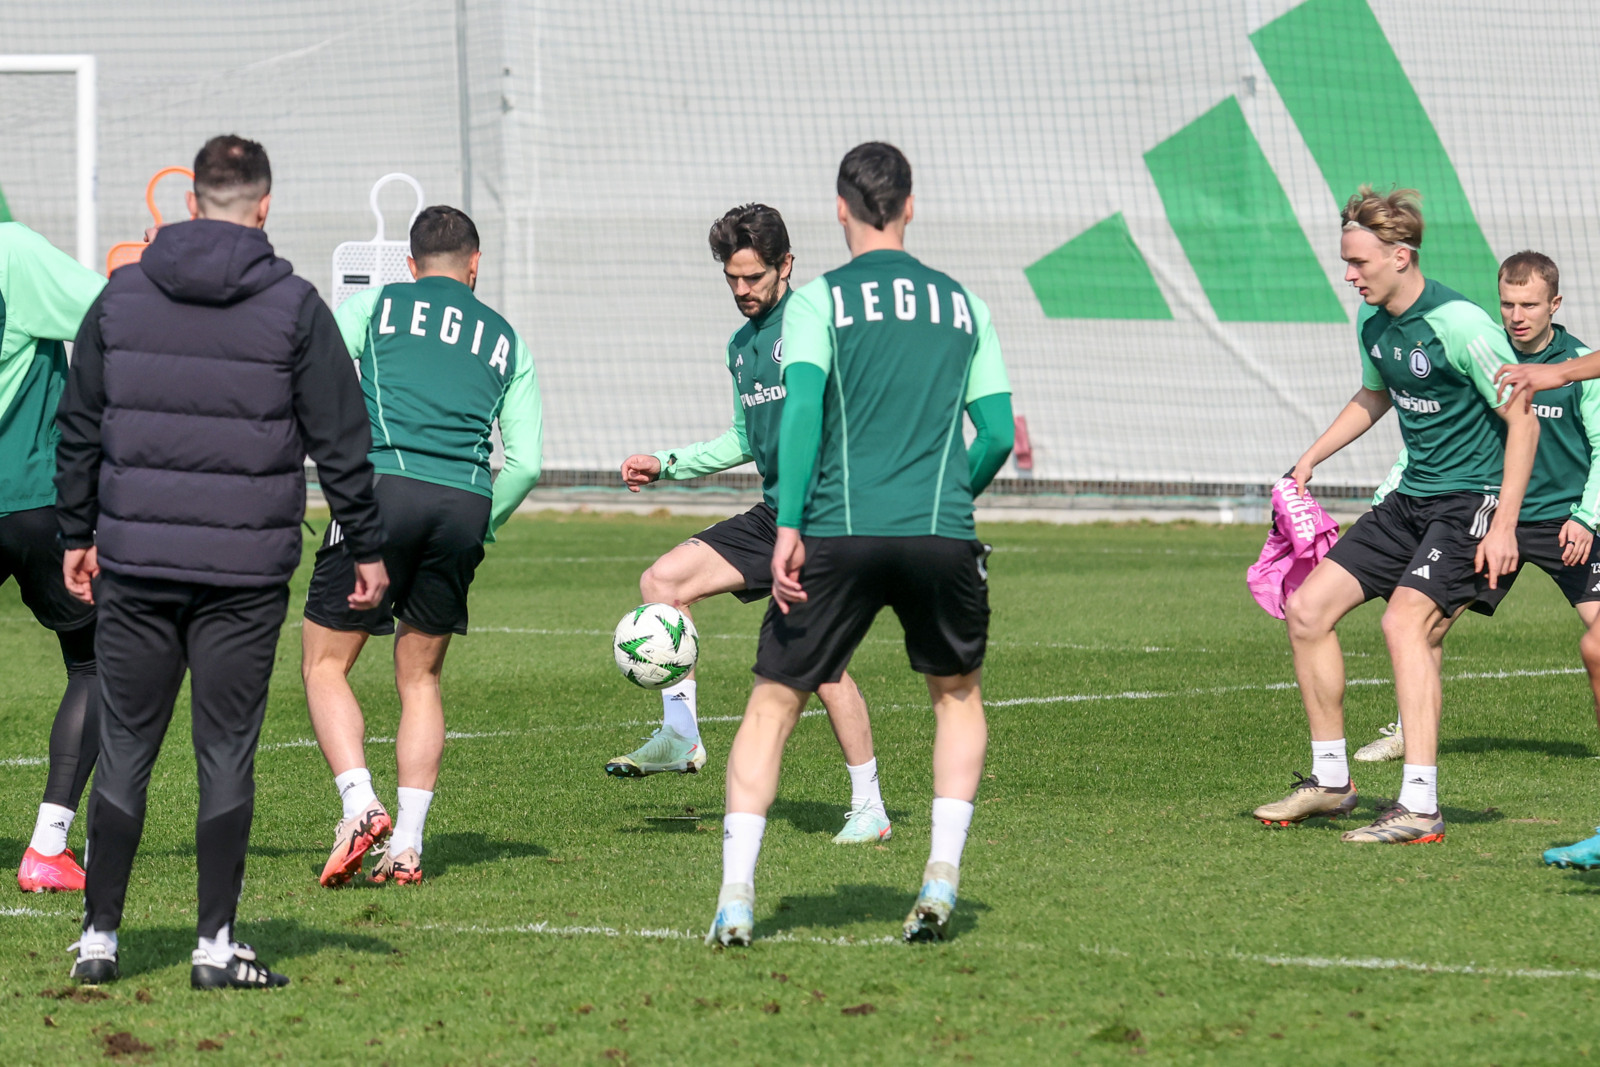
(1425, 839)
(884, 836)
(1570, 865)
(399, 879)
(1337, 813)
(928, 929)
(97, 975)
(337, 874)
(617, 769)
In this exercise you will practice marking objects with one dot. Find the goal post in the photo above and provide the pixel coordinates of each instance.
(82, 67)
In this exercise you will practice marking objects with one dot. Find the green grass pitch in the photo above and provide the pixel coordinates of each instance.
(1118, 904)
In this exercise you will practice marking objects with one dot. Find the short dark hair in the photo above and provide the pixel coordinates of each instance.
(754, 226)
(230, 166)
(875, 180)
(1520, 269)
(441, 230)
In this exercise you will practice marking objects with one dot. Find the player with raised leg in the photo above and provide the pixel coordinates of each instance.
(1556, 531)
(438, 367)
(44, 294)
(1447, 531)
(735, 556)
(875, 491)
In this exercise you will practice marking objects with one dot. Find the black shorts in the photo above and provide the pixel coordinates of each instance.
(31, 553)
(1539, 543)
(433, 543)
(938, 586)
(1426, 543)
(746, 542)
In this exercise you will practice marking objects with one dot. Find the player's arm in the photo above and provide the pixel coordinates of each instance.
(78, 455)
(1525, 379)
(522, 436)
(1370, 404)
(354, 319)
(988, 403)
(1480, 351)
(728, 449)
(808, 344)
(1577, 533)
(49, 292)
(333, 421)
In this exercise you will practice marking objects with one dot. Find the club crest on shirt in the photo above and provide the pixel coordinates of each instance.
(1419, 363)
(777, 351)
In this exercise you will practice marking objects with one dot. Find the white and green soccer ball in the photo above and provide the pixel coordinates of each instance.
(655, 646)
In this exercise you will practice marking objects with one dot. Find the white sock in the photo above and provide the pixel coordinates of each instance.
(1419, 789)
(355, 791)
(408, 824)
(1329, 764)
(864, 784)
(91, 936)
(951, 818)
(50, 829)
(741, 846)
(678, 710)
(219, 948)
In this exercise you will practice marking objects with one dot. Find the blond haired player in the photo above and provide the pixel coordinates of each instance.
(1446, 532)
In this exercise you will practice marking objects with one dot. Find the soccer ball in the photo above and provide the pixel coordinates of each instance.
(655, 646)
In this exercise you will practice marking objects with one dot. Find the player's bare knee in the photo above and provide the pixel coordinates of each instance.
(1406, 623)
(1589, 648)
(1305, 621)
(659, 586)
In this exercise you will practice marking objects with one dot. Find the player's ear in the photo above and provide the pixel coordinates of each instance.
(1555, 303)
(844, 211)
(911, 203)
(192, 202)
(787, 267)
(261, 210)
(411, 265)
(472, 268)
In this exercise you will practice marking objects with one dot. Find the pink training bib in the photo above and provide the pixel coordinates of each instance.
(1301, 535)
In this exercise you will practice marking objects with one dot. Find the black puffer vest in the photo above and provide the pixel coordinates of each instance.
(202, 478)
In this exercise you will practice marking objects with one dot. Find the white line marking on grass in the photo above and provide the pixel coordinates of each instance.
(24, 761)
(661, 934)
(1376, 964)
(31, 913)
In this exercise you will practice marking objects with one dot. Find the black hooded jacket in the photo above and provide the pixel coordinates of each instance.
(200, 380)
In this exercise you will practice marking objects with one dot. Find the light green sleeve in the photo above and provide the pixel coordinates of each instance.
(1474, 344)
(808, 326)
(1370, 378)
(355, 317)
(1395, 474)
(1587, 509)
(988, 373)
(522, 436)
(47, 292)
(728, 449)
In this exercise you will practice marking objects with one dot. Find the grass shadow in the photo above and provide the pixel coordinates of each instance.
(849, 905)
(817, 816)
(1480, 745)
(445, 851)
(142, 948)
(1469, 816)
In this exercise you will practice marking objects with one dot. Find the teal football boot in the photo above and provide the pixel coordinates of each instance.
(1585, 855)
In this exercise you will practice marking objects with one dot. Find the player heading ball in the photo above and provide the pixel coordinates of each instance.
(875, 488)
(1439, 541)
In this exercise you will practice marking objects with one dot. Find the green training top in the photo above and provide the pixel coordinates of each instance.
(44, 294)
(438, 367)
(906, 349)
(1565, 482)
(1437, 361)
(755, 360)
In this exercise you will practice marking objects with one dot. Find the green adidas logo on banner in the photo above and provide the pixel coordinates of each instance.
(1363, 122)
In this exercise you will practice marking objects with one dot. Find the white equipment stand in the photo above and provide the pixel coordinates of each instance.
(83, 68)
(359, 265)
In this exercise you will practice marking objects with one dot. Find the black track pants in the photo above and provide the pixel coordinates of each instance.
(75, 734)
(149, 631)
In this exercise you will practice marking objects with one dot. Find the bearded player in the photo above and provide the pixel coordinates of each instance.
(735, 556)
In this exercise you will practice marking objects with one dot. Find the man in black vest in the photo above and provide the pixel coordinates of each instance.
(201, 378)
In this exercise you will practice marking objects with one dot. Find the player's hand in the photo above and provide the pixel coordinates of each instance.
(1575, 540)
(788, 556)
(1497, 554)
(80, 567)
(640, 470)
(372, 581)
(1525, 379)
(1302, 472)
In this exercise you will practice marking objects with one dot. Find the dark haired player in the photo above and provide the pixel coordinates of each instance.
(735, 556)
(438, 368)
(44, 294)
(875, 489)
